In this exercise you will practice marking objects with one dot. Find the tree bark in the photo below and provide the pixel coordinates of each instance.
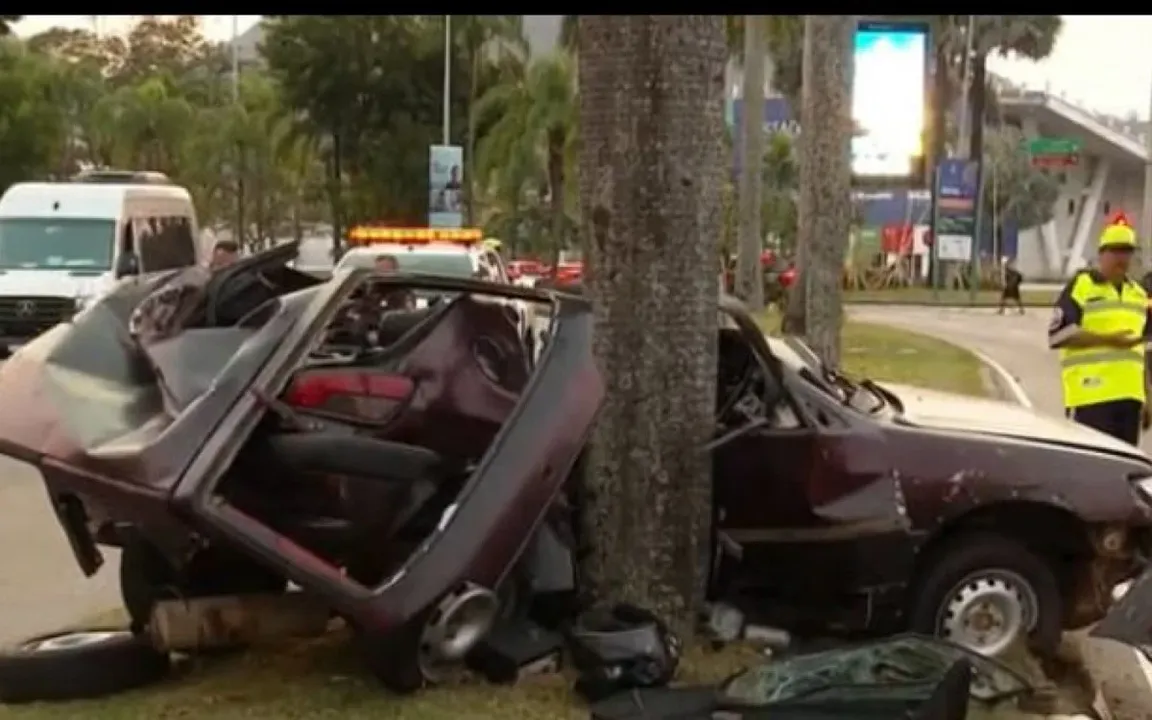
(825, 212)
(749, 276)
(651, 91)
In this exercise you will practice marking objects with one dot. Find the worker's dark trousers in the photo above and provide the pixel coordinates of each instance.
(1119, 418)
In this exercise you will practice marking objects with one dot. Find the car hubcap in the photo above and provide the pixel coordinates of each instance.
(988, 611)
(72, 640)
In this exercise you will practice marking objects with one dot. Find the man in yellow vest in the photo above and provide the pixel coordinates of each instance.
(1101, 324)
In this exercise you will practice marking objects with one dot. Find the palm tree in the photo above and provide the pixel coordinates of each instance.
(651, 169)
(484, 37)
(6, 23)
(533, 136)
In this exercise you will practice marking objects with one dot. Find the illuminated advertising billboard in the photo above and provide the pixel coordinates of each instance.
(889, 102)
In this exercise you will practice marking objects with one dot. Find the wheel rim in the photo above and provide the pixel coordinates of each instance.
(70, 641)
(988, 611)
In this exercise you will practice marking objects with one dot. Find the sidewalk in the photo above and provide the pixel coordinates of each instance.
(1018, 343)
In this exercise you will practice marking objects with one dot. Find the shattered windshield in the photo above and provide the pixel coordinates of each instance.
(904, 666)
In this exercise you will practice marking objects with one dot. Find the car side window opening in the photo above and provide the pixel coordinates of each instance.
(169, 243)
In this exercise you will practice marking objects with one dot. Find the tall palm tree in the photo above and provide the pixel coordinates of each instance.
(533, 135)
(484, 38)
(6, 23)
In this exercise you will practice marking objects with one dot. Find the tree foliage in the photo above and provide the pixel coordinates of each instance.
(1014, 191)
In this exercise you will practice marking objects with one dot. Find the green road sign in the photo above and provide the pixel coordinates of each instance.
(1053, 146)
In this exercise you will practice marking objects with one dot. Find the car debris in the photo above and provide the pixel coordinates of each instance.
(411, 471)
(907, 676)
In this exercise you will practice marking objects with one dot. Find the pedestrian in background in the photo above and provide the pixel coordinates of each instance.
(1011, 290)
(1101, 327)
(224, 253)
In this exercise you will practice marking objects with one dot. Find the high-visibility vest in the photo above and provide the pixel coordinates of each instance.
(1097, 375)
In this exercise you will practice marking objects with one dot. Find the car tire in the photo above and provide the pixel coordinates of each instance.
(988, 563)
(62, 667)
(392, 658)
(147, 577)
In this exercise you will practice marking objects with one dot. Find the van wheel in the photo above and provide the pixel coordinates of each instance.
(147, 577)
(985, 592)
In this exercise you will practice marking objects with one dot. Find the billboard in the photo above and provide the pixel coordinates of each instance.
(889, 102)
(446, 186)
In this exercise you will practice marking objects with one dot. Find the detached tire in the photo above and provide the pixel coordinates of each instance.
(76, 665)
(986, 570)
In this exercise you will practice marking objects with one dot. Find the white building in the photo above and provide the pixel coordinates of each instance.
(1109, 179)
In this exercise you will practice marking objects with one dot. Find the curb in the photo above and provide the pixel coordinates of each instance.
(1003, 383)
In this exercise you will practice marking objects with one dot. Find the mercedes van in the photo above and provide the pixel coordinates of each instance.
(64, 243)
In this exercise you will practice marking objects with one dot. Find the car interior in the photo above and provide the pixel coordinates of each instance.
(384, 423)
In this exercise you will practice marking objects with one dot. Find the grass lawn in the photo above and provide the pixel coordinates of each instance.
(880, 353)
(322, 679)
(925, 296)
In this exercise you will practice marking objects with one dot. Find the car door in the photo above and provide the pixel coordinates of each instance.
(802, 500)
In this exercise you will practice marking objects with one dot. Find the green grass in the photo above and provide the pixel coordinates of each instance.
(925, 296)
(322, 678)
(881, 353)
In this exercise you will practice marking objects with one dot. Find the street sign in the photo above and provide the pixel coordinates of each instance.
(1054, 152)
(1054, 146)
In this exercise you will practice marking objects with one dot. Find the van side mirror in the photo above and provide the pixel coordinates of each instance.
(127, 264)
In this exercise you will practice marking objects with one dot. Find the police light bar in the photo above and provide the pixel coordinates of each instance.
(371, 234)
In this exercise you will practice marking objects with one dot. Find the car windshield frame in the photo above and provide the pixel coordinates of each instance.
(416, 262)
(38, 243)
(860, 395)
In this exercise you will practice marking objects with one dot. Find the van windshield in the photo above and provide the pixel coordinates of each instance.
(56, 243)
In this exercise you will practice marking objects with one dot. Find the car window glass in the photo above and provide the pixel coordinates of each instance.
(483, 269)
(165, 242)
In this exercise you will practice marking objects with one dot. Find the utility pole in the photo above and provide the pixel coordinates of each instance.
(749, 278)
(235, 59)
(447, 109)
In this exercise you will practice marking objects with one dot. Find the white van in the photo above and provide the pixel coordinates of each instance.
(63, 244)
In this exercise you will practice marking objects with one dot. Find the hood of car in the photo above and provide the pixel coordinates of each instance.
(960, 413)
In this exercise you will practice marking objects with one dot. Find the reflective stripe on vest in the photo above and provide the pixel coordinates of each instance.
(1096, 375)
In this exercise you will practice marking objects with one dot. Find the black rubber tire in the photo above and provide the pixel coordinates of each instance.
(392, 659)
(121, 662)
(969, 553)
(146, 577)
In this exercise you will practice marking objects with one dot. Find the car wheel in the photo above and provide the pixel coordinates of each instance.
(78, 664)
(431, 648)
(986, 592)
(147, 577)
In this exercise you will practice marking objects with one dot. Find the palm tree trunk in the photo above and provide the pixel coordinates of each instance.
(470, 154)
(749, 276)
(556, 189)
(825, 179)
(651, 171)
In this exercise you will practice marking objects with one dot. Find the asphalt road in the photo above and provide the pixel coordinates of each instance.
(41, 588)
(1019, 344)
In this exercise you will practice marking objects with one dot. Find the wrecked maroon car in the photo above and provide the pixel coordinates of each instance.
(239, 431)
(235, 431)
(869, 508)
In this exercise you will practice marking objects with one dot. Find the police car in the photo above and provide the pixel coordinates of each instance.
(446, 252)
